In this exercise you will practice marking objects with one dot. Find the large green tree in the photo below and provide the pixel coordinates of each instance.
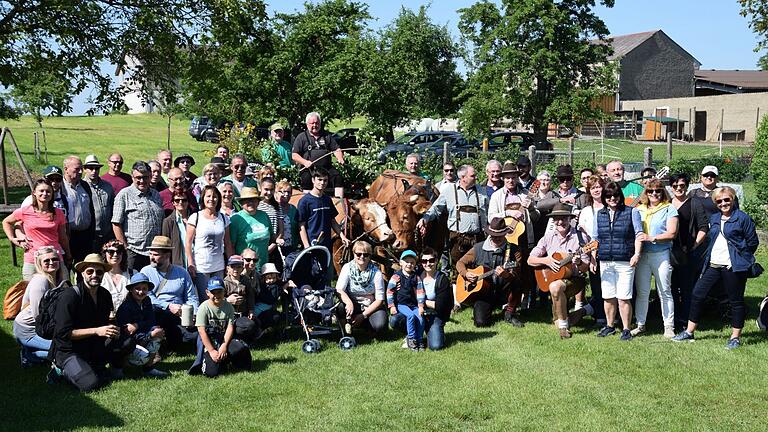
(533, 62)
(409, 71)
(757, 12)
(75, 38)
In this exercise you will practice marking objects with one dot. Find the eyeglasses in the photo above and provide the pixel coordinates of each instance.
(112, 251)
(428, 261)
(565, 179)
(91, 271)
(679, 186)
(175, 179)
(50, 260)
(249, 259)
(239, 167)
(362, 254)
(654, 191)
(723, 200)
(116, 162)
(180, 200)
(141, 178)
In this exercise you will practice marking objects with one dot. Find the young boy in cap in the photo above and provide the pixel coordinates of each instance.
(239, 292)
(406, 296)
(136, 319)
(216, 345)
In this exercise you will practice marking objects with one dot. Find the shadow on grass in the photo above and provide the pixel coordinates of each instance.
(463, 336)
(30, 404)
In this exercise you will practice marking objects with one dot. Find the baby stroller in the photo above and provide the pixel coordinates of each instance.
(314, 304)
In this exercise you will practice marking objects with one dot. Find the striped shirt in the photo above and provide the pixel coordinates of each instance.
(274, 214)
(140, 215)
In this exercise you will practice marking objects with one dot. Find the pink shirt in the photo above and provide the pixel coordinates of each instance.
(40, 230)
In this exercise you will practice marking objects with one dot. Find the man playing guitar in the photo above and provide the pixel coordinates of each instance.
(565, 240)
(500, 261)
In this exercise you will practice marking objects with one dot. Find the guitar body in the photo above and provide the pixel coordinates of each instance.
(545, 275)
(519, 229)
(465, 290)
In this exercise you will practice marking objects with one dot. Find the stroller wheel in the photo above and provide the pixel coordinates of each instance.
(310, 347)
(347, 343)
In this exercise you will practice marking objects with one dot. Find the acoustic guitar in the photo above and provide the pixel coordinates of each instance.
(634, 201)
(545, 275)
(519, 227)
(466, 289)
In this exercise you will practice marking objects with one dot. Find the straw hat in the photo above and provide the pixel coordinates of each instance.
(161, 243)
(249, 193)
(92, 260)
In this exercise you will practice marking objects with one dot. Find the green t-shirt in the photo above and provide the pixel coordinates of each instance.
(246, 231)
(217, 318)
(283, 150)
(632, 190)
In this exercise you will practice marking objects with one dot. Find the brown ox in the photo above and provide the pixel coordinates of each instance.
(367, 221)
(406, 197)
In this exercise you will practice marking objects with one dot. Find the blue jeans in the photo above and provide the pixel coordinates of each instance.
(201, 283)
(35, 348)
(435, 328)
(414, 322)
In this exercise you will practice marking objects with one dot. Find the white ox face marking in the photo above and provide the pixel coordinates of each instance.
(375, 220)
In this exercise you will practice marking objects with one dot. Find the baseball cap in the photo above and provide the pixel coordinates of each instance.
(52, 170)
(276, 126)
(215, 283)
(710, 169)
(408, 253)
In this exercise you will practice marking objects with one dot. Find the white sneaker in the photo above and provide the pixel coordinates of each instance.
(669, 332)
(405, 343)
(638, 331)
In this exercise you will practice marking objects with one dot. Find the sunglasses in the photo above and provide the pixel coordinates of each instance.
(362, 254)
(449, 170)
(116, 162)
(564, 179)
(51, 260)
(250, 259)
(709, 175)
(180, 200)
(112, 251)
(723, 200)
(654, 191)
(615, 196)
(91, 271)
(428, 261)
(239, 167)
(679, 186)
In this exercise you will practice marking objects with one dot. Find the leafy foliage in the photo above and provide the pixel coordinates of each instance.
(757, 11)
(533, 62)
(759, 166)
(733, 168)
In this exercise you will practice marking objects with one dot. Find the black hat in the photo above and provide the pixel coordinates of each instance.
(183, 156)
(523, 160)
(561, 209)
(509, 168)
(564, 171)
(497, 227)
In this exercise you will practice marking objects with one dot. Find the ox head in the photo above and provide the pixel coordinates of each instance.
(404, 212)
(374, 220)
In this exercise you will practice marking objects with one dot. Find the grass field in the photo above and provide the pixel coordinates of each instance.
(497, 378)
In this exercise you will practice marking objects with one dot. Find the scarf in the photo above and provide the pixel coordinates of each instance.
(360, 281)
(647, 213)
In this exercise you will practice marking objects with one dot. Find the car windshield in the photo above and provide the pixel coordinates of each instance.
(403, 139)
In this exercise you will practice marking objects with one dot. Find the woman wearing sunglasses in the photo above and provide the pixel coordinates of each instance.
(620, 233)
(660, 224)
(48, 275)
(361, 288)
(119, 276)
(439, 300)
(732, 242)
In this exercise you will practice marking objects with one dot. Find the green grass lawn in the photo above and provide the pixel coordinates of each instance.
(498, 378)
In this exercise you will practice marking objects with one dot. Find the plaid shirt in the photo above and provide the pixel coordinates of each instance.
(140, 215)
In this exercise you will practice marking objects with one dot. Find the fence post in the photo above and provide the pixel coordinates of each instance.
(570, 150)
(37, 146)
(648, 157)
(594, 159)
(722, 118)
(532, 157)
(669, 147)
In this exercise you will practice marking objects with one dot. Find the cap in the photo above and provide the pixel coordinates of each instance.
(276, 126)
(52, 170)
(215, 283)
(408, 253)
(710, 169)
(235, 260)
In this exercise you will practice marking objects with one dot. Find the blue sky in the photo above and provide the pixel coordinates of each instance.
(710, 30)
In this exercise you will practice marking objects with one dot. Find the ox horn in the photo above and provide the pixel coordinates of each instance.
(413, 198)
(406, 184)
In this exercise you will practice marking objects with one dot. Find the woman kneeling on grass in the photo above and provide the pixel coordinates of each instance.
(439, 300)
(361, 288)
(732, 243)
(216, 346)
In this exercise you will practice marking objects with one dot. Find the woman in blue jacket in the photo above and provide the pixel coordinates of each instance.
(732, 242)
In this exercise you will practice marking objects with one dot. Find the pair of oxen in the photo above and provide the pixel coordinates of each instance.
(387, 218)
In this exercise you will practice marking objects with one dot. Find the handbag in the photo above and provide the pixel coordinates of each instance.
(13, 298)
(755, 270)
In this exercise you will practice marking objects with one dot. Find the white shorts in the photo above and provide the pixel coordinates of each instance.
(616, 279)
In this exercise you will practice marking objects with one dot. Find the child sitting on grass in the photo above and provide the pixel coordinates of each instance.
(405, 295)
(216, 346)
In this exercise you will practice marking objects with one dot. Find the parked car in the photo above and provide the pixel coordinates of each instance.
(523, 140)
(202, 128)
(412, 142)
(458, 146)
(347, 138)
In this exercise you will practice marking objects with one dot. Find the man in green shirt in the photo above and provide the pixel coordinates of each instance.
(630, 189)
(279, 146)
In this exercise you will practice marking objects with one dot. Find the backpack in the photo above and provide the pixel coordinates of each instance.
(45, 323)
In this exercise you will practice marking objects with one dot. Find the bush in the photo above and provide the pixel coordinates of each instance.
(756, 211)
(759, 166)
(733, 168)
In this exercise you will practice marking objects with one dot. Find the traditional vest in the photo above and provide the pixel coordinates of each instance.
(617, 238)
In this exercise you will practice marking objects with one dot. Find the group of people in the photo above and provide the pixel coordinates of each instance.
(160, 258)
